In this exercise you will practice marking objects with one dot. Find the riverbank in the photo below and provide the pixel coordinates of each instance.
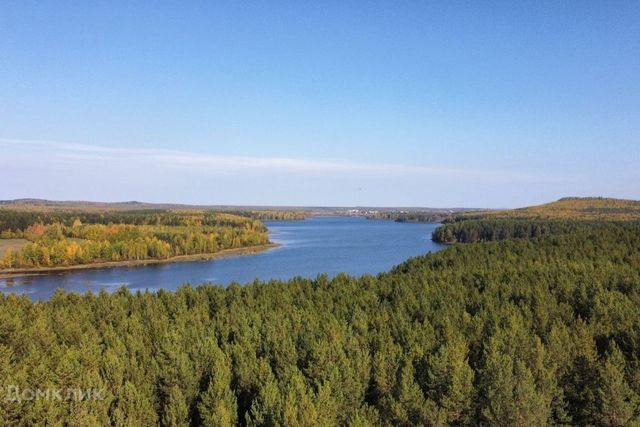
(249, 250)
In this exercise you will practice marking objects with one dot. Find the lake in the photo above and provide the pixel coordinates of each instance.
(331, 245)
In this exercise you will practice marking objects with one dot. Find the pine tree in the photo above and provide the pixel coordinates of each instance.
(132, 408)
(618, 403)
(218, 405)
(508, 393)
(581, 381)
(410, 406)
(450, 380)
(175, 412)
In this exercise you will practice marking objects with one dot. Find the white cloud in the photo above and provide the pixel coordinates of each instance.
(218, 164)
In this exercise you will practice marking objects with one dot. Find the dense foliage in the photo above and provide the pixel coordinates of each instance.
(491, 229)
(426, 215)
(55, 239)
(412, 216)
(15, 220)
(523, 332)
(274, 215)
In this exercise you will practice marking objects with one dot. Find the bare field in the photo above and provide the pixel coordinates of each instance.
(14, 244)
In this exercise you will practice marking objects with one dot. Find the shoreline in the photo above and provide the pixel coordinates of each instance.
(249, 250)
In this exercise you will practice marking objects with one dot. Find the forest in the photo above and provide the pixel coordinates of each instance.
(273, 214)
(15, 220)
(67, 238)
(491, 229)
(426, 215)
(567, 215)
(411, 216)
(530, 331)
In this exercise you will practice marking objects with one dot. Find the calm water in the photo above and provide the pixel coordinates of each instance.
(316, 245)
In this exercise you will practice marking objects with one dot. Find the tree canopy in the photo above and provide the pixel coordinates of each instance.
(513, 332)
(58, 238)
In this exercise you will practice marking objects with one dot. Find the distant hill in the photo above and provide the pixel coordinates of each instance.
(43, 205)
(583, 208)
(50, 205)
(579, 208)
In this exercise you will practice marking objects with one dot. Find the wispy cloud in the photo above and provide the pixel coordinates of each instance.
(222, 164)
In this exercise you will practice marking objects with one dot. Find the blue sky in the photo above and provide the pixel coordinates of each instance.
(487, 104)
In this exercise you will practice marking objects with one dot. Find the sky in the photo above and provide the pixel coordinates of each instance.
(332, 103)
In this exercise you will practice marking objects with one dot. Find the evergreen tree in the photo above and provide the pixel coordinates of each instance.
(509, 393)
(450, 381)
(218, 405)
(619, 405)
(175, 412)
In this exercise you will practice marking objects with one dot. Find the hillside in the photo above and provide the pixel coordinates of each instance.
(580, 208)
(43, 205)
(564, 216)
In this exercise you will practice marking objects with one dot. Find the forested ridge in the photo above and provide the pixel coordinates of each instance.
(567, 208)
(517, 332)
(567, 215)
(15, 220)
(41, 206)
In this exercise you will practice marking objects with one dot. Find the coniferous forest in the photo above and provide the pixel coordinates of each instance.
(529, 331)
